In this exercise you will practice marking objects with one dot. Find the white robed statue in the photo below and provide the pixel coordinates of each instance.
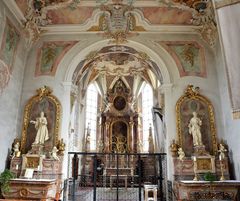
(42, 130)
(195, 129)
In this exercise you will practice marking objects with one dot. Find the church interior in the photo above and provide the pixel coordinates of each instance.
(123, 100)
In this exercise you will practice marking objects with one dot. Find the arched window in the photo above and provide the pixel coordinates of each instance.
(147, 118)
(91, 114)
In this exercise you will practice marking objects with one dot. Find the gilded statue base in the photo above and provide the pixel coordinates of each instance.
(37, 149)
(200, 151)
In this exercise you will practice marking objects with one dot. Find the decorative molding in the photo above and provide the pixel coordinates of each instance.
(15, 10)
(222, 3)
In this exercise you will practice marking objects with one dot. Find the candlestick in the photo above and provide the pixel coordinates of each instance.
(195, 168)
(222, 178)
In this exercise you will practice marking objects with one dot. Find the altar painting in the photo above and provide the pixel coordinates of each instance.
(48, 107)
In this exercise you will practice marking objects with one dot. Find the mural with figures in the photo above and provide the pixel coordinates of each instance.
(189, 57)
(49, 56)
(9, 45)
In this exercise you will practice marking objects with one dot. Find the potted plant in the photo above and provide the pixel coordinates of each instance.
(209, 177)
(5, 177)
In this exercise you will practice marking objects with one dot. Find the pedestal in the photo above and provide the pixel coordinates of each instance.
(37, 149)
(200, 151)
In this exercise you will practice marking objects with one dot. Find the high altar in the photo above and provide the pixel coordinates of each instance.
(119, 121)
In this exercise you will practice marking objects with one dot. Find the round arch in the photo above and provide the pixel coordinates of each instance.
(80, 54)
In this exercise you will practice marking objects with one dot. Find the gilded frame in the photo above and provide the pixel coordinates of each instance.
(44, 92)
(193, 94)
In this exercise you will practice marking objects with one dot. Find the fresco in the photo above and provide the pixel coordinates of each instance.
(165, 15)
(70, 16)
(49, 56)
(9, 45)
(189, 57)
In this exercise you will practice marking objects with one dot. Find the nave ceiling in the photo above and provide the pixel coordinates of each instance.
(115, 18)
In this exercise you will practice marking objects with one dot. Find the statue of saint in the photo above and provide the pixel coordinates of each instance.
(42, 130)
(194, 130)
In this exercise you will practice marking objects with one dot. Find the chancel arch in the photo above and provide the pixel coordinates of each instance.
(134, 69)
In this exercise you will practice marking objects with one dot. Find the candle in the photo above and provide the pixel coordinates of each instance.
(17, 167)
(220, 157)
(38, 168)
(194, 158)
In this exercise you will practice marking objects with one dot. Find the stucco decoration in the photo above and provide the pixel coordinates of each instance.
(49, 55)
(189, 57)
(9, 45)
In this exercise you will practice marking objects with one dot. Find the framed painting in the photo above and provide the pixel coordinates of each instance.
(44, 102)
(191, 102)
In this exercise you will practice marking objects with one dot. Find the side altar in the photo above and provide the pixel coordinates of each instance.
(199, 158)
(37, 158)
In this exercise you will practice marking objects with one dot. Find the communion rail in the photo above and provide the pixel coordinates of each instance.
(115, 176)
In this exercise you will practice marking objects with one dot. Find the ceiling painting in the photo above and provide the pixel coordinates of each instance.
(10, 41)
(70, 16)
(189, 57)
(165, 15)
(114, 62)
(50, 55)
(117, 19)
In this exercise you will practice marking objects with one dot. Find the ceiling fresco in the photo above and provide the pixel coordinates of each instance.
(117, 19)
(165, 15)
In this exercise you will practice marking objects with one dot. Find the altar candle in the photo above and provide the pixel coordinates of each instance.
(38, 168)
(17, 167)
(220, 157)
(194, 158)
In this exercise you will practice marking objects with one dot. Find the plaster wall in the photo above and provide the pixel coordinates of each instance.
(11, 95)
(173, 86)
(230, 28)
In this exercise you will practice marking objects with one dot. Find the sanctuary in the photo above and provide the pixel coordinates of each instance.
(126, 100)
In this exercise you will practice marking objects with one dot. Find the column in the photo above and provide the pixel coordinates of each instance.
(170, 120)
(65, 122)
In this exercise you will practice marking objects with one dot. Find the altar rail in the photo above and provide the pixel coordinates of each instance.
(120, 177)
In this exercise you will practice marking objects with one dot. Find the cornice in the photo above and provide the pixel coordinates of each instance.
(14, 9)
(224, 3)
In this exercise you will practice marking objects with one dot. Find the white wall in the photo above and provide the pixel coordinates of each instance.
(11, 96)
(230, 28)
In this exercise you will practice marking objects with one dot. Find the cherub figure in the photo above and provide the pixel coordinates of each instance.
(222, 151)
(181, 154)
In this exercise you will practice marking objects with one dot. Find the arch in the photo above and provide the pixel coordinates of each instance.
(80, 54)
